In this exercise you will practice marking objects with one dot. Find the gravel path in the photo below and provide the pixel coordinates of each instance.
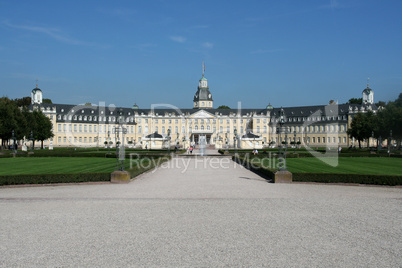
(200, 212)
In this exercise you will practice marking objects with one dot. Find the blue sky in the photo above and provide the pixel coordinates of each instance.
(287, 53)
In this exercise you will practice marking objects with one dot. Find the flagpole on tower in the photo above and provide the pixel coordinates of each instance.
(203, 68)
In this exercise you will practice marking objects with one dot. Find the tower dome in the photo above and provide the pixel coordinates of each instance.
(36, 95)
(368, 95)
(203, 97)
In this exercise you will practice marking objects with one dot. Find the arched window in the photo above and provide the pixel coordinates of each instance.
(202, 127)
(196, 127)
(208, 127)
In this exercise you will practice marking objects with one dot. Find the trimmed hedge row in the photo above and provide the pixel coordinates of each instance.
(390, 180)
(53, 178)
(80, 154)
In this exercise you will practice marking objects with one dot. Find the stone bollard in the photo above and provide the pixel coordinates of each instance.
(120, 177)
(283, 176)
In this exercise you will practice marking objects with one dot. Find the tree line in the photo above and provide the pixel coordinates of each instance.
(16, 116)
(380, 124)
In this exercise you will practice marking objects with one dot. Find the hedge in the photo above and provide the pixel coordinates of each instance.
(390, 180)
(348, 178)
(53, 178)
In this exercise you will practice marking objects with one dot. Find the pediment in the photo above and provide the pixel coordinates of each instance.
(202, 114)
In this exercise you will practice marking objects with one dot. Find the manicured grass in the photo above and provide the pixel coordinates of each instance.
(350, 165)
(57, 165)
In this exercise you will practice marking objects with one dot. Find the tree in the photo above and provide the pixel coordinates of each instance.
(355, 101)
(362, 126)
(47, 101)
(380, 104)
(43, 127)
(223, 107)
(8, 120)
(23, 102)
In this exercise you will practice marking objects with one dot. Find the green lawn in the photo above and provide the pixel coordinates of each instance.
(53, 165)
(351, 165)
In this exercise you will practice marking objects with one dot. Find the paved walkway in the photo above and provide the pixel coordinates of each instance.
(200, 212)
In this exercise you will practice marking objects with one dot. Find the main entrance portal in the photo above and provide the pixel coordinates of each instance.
(196, 138)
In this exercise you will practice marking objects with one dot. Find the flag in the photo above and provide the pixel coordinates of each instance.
(203, 65)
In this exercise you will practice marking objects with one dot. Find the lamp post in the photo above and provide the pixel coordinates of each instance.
(13, 138)
(120, 152)
(282, 157)
(168, 141)
(108, 141)
(390, 142)
(226, 140)
(235, 139)
(294, 140)
(31, 138)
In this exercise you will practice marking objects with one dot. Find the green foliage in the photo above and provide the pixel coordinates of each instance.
(223, 107)
(22, 121)
(49, 101)
(53, 178)
(362, 126)
(348, 178)
(355, 101)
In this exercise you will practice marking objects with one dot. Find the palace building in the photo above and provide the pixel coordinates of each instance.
(90, 125)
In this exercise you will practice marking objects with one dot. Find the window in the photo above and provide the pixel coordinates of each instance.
(176, 129)
(258, 129)
(156, 129)
(59, 139)
(196, 127)
(80, 139)
(59, 127)
(95, 128)
(202, 127)
(90, 139)
(69, 127)
(90, 128)
(80, 128)
(208, 127)
(64, 139)
(85, 128)
(163, 130)
(220, 129)
(139, 129)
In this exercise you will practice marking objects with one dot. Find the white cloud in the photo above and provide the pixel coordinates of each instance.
(208, 45)
(178, 39)
(51, 32)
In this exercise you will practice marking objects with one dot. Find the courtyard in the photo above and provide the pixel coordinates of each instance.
(185, 213)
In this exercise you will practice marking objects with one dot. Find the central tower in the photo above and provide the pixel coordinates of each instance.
(203, 98)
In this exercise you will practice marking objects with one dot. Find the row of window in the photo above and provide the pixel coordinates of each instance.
(313, 129)
(315, 140)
